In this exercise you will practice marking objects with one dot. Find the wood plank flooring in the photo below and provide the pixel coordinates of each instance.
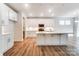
(29, 48)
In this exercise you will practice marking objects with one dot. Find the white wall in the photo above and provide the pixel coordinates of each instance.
(0, 39)
(18, 35)
(78, 30)
(50, 22)
(77, 37)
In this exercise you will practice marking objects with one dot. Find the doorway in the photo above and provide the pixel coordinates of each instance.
(24, 28)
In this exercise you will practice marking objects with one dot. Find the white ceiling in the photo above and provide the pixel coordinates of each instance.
(35, 9)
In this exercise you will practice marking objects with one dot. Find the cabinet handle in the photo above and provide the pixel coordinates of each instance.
(8, 40)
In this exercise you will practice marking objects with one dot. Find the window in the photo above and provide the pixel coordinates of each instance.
(78, 34)
(67, 22)
(70, 35)
(61, 22)
(64, 22)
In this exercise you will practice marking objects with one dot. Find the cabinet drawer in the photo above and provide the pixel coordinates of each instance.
(4, 42)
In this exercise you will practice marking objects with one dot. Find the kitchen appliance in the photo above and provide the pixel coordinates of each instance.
(41, 27)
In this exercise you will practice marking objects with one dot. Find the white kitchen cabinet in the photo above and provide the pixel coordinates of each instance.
(63, 39)
(8, 37)
(11, 37)
(10, 41)
(3, 22)
(40, 40)
(4, 18)
(4, 14)
(0, 36)
(44, 39)
(52, 39)
(30, 33)
(7, 14)
(6, 29)
(4, 43)
(48, 38)
(7, 42)
(12, 15)
(1, 52)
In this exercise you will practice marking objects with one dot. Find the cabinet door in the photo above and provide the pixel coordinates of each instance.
(11, 36)
(4, 43)
(15, 16)
(9, 42)
(4, 14)
(12, 15)
(1, 47)
(5, 29)
(63, 39)
(30, 34)
(40, 40)
(52, 40)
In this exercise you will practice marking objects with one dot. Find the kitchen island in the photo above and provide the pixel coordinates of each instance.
(52, 38)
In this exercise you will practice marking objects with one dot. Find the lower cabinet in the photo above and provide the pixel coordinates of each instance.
(63, 39)
(7, 42)
(10, 42)
(40, 40)
(46, 39)
(4, 43)
(53, 39)
(1, 50)
(30, 34)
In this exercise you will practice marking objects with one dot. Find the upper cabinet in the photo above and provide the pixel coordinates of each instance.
(4, 14)
(12, 15)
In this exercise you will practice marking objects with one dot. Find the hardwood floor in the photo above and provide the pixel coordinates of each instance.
(29, 48)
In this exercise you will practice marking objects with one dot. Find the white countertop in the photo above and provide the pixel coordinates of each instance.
(5, 33)
(49, 30)
(53, 32)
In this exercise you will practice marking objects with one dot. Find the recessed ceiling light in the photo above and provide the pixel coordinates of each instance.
(26, 5)
(52, 14)
(30, 14)
(76, 21)
(50, 10)
(41, 14)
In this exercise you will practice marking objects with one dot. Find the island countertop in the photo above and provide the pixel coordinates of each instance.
(5, 34)
(52, 37)
(53, 32)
